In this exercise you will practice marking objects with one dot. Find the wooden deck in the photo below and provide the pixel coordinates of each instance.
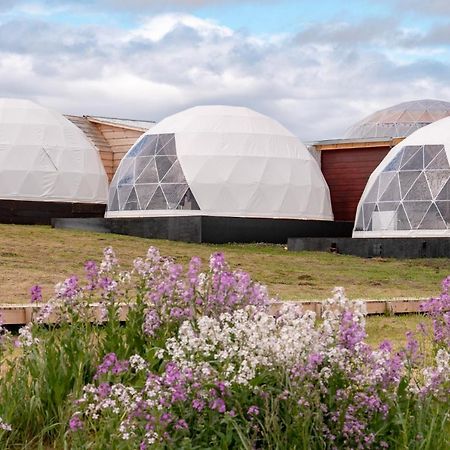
(21, 314)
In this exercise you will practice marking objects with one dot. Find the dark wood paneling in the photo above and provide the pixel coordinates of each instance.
(41, 213)
(347, 172)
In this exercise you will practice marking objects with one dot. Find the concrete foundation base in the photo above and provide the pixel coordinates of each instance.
(219, 230)
(376, 247)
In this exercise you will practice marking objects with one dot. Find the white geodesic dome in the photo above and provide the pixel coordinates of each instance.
(223, 161)
(399, 120)
(45, 157)
(408, 194)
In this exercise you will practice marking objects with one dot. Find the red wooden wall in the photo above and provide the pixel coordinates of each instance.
(347, 171)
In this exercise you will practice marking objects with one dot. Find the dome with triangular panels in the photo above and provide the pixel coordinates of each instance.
(222, 161)
(399, 120)
(408, 194)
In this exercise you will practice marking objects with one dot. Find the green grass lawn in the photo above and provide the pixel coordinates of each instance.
(39, 254)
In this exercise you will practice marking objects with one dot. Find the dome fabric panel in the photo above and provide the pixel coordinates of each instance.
(223, 161)
(399, 120)
(408, 194)
(44, 157)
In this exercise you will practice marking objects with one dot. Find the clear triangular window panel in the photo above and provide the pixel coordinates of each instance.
(145, 193)
(388, 206)
(169, 148)
(368, 209)
(114, 205)
(359, 224)
(419, 190)
(135, 149)
(445, 192)
(175, 174)
(408, 152)
(149, 174)
(140, 163)
(402, 219)
(148, 146)
(163, 141)
(126, 172)
(132, 202)
(415, 162)
(394, 164)
(174, 193)
(163, 164)
(436, 180)
(372, 195)
(440, 162)
(407, 180)
(188, 201)
(385, 180)
(430, 152)
(392, 192)
(158, 200)
(432, 220)
(415, 212)
(444, 209)
(124, 192)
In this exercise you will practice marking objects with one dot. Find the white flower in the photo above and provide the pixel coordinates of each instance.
(138, 363)
(26, 338)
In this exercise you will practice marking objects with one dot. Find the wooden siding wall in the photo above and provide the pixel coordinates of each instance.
(119, 139)
(347, 171)
(102, 145)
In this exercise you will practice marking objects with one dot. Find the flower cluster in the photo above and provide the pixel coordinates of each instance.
(202, 362)
(172, 297)
(240, 363)
(439, 310)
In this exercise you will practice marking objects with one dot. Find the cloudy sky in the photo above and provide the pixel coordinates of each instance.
(317, 67)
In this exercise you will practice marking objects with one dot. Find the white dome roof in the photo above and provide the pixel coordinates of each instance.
(219, 160)
(399, 120)
(408, 194)
(45, 157)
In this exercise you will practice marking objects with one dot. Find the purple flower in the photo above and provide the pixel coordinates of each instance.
(351, 332)
(166, 417)
(218, 405)
(111, 364)
(91, 269)
(152, 322)
(69, 289)
(253, 410)
(198, 404)
(75, 423)
(181, 425)
(314, 360)
(103, 390)
(36, 294)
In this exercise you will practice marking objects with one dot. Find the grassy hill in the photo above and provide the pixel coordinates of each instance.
(42, 255)
(37, 254)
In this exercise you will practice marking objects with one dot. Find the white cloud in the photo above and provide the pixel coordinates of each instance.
(156, 28)
(315, 85)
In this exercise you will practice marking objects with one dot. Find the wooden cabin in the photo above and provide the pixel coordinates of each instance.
(112, 137)
(347, 165)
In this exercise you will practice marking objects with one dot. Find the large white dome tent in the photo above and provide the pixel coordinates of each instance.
(399, 120)
(45, 158)
(408, 194)
(219, 161)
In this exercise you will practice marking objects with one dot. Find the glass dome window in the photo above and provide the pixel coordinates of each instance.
(150, 177)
